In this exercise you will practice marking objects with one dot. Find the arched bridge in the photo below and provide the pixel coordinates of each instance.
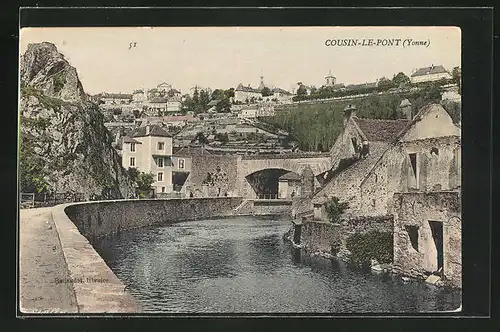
(284, 163)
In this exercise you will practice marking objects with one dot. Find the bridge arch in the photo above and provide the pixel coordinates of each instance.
(266, 182)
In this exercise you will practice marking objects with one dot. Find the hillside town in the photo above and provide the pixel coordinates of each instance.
(239, 128)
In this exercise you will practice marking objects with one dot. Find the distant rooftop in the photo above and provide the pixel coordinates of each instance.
(381, 130)
(429, 70)
(154, 130)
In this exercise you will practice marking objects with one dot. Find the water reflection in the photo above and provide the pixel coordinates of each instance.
(243, 265)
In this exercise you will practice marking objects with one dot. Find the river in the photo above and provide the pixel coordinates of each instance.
(243, 265)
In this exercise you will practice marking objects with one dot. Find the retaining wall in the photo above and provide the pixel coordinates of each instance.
(97, 288)
(96, 219)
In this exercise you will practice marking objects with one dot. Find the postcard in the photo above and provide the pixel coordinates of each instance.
(240, 170)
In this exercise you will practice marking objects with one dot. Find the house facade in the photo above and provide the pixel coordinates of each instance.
(244, 93)
(149, 149)
(429, 74)
(289, 185)
(115, 98)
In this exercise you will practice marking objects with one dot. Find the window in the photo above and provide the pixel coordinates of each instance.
(160, 176)
(413, 171)
(162, 189)
(181, 163)
(161, 145)
(435, 151)
(413, 234)
(160, 162)
(376, 178)
(132, 147)
(132, 161)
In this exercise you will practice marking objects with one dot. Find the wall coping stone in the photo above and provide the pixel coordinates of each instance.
(84, 262)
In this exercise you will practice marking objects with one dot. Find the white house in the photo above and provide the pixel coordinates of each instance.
(138, 96)
(244, 93)
(115, 98)
(429, 74)
(149, 149)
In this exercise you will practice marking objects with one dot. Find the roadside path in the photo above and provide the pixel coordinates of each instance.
(41, 264)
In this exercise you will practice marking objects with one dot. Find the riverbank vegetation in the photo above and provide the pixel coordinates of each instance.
(370, 245)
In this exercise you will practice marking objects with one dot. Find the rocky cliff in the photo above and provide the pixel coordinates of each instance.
(64, 145)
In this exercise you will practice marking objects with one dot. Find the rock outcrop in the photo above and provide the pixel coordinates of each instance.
(63, 137)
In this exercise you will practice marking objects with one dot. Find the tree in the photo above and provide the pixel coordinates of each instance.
(200, 138)
(385, 84)
(266, 92)
(334, 209)
(144, 181)
(430, 92)
(223, 138)
(302, 90)
(31, 170)
(133, 174)
(400, 79)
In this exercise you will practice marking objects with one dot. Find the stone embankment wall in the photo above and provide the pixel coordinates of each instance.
(264, 208)
(319, 236)
(96, 219)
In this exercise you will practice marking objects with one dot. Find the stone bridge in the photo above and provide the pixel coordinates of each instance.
(294, 162)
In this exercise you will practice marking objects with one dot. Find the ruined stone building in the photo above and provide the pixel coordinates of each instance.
(356, 150)
(410, 169)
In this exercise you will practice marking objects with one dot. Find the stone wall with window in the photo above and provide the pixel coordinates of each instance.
(425, 165)
(427, 234)
(201, 165)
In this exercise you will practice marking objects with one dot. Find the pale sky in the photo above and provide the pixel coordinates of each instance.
(223, 57)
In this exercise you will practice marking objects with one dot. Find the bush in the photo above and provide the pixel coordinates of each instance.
(334, 209)
(335, 247)
(371, 245)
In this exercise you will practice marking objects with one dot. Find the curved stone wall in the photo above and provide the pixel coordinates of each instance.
(97, 289)
(96, 219)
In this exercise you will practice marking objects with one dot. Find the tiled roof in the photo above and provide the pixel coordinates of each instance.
(116, 95)
(380, 130)
(128, 139)
(213, 102)
(429, 70)
(361, 86)
(154, 130)
(290, 176)
(158, 100)
(405, 102)
(240, 87)
(282, 91)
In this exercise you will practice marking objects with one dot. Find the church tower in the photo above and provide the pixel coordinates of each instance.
(261, 85)
(330, 79)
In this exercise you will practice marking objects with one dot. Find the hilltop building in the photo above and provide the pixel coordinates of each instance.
(429, 74)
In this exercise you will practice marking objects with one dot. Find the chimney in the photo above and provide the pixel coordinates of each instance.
(349, 111)
(405, 108)
(148, 128)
